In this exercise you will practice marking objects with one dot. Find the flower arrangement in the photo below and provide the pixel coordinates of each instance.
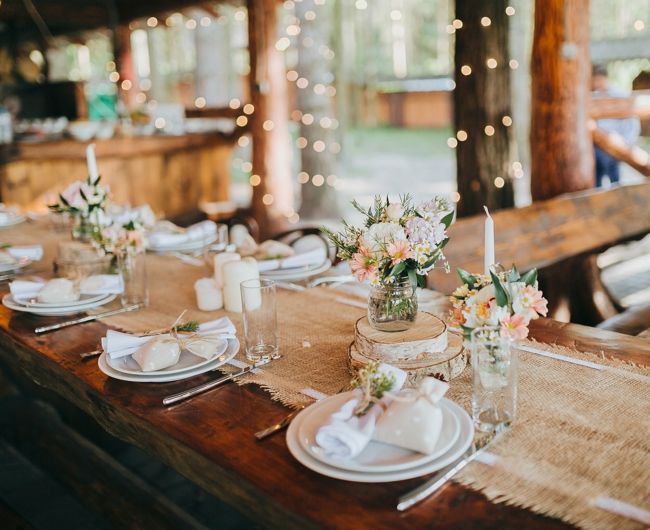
(504, 299)
(397, 241)
(374, 384)
(83, 199)
(121, 240)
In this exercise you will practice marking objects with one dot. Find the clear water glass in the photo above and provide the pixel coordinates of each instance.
(494, 383)
(132, 268)
(260, 319)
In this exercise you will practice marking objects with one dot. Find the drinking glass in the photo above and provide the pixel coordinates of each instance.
(260, 319)
(210, 248)
(494, 386)
(133, 270)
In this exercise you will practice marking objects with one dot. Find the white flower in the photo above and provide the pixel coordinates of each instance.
(394, 211)
(520, 303)
(484, 295)
(380, 235)
(72, 195)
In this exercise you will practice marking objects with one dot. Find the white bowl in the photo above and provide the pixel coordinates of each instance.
(82, 130)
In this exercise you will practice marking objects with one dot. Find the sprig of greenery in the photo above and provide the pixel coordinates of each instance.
(374, 385)
(191, 326)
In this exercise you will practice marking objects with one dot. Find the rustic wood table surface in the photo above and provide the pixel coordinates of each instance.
(209, 439)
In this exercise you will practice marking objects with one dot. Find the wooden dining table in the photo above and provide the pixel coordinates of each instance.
(210, 438)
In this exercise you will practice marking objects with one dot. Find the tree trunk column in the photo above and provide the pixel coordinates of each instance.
(273, 197)
(562, 156)
(482, 106)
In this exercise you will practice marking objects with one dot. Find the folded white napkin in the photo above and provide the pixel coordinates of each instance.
(346, 435)
(312, 257)
(196, 232)
(31, 252)
(117, 344)
(92, 285)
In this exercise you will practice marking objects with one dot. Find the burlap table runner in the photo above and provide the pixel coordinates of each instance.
(580, 433)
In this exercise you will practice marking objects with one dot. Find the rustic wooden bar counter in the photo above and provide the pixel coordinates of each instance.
(171, 173)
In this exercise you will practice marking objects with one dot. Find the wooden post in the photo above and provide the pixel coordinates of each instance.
(273, 197)
(482, 101)
(562, 154)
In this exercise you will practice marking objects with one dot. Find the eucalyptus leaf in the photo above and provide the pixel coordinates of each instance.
(413, 276)
(501, 294)
(422, 281)
(397, 269)
(466, 278)
(530, 278)
(447, 219)
(514, 275)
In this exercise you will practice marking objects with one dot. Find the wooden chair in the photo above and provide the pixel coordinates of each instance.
(561, 238)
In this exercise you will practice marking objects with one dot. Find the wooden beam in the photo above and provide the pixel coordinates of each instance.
(562, 156)
(615, 145)
(605, 51)
(635, 105)
(269, 127)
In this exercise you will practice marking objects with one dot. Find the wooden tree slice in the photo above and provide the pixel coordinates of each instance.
(446, 370)
(427, 336)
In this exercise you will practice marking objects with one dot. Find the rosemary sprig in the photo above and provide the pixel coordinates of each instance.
(191, 326)
(374, 384)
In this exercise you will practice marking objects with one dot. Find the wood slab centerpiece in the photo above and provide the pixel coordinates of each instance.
(426, 349)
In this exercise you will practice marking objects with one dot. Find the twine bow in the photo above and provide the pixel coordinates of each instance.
(185, 339)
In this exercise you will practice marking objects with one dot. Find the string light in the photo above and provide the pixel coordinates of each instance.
(303, 177)
(455, 196)
(240, 15)
(310, 15)
(319, 146)
(486, 21)
(268, 125)
(296, 115)
(152, 22)
(247, 167)
(461, 135)
(466, 69)
(450, 29)
(255, 180)
(331, 91)
(205, 21)
(200, 102)
(243, 141)
(294, 218)
(361, 5)
(499, 182)
(302, 82)
(491, 63)
(160, 123)
(510, 11)
(114, 77)
(319, 89)
(289, 5)
(318, 180)
(268, 199)
(639, 25)
(126, 85)
(241, 121)
(301, 142)
(293, 30)
(331, 180)
(190, 24)
(289, 213)
(507, 121)
(248, 109)
(457, 23)
(234, 103)
(307, 119)
(292, 75)
(325, 122)
(489, 130)
(514, 64)
(452, 142)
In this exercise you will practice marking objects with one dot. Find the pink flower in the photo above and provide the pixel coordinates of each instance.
(530, 303)
(363, 266)
(72, 195)
(399, 251)
(514, 327)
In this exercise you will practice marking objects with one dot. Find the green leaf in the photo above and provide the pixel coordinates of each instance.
(501, 294)
(62, 199)
(398, 269)
(422, 281)
(466, 278)
(447, 219)
(413, 276)
(514, 274)
(530, 278)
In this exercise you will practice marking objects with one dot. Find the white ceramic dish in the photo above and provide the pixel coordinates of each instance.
(185, 247)
(299, 273)
(377, 456)
(228, 355)
(186, 361)
(8, 301)
(83, 300)
(15, 266)
(15, 220)
(456, 450)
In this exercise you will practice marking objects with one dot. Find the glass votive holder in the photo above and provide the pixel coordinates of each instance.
(260, 319)
(494, 380)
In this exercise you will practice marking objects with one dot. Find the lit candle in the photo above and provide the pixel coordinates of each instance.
(489, 242)
(234, 273)
(92, 162)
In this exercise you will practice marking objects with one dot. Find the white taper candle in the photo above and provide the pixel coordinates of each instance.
(489, 242)
(92, 162)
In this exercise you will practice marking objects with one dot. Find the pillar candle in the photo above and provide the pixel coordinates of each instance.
(219, 261)
(208, 296)
(92, 162)
(489, 242)
(234, 273)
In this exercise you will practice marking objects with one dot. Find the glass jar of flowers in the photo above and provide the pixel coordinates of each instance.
(396, 247)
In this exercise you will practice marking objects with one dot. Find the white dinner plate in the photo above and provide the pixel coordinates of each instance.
(186, 361)
(15, 220)
(84, 299)
(9, 302)
(297, 273)
(377, 456)
(157, 377)
(15, 265)
(461, 445)
(197, 244)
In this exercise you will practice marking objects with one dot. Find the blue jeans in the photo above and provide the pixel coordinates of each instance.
(606, 165)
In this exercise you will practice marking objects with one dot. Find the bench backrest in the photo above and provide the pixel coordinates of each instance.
(549, 232)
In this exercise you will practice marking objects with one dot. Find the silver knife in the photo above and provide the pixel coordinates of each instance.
(191, 392)
(441, 478)
(88, 318)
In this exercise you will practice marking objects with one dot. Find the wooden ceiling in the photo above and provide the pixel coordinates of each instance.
(71, 16)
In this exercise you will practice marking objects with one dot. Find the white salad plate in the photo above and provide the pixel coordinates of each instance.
(15, 219)
(83, 300)
(196, 244)
(377, 456)
(15, 265)
(456, 450)
(9, 302)
(162, 377)
(297, 273)
(186, 361)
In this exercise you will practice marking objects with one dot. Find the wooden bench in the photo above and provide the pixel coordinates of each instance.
(561, 237)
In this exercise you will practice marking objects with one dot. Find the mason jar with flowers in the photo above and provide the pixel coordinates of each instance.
(394, 250)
